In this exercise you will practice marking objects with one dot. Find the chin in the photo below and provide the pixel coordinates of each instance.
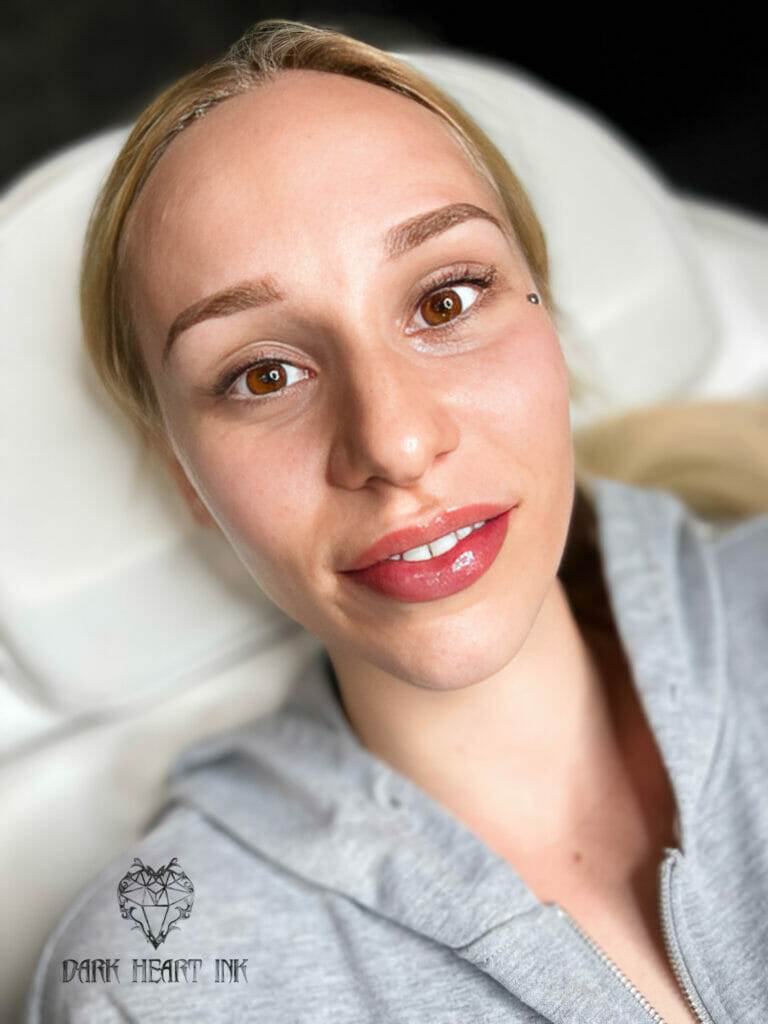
(450, 655)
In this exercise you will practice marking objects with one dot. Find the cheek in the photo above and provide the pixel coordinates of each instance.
(522, 400)
(262, 495)
(521, 393)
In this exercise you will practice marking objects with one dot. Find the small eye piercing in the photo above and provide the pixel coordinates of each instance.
(533, 297)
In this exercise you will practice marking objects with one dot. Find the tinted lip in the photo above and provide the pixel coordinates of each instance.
(438, 526)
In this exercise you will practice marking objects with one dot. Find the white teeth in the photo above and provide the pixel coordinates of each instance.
(419, 554)
(436, 547)
(443, 544)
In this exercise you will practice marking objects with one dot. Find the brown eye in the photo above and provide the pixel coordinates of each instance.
(441, 306)
(265, 378)
(260, 378)
(449, 302)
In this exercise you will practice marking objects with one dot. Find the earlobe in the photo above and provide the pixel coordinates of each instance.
(188, 492)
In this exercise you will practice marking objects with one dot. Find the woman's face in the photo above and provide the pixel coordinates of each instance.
(386, 396)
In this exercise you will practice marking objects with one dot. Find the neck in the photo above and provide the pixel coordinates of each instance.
(536, 744)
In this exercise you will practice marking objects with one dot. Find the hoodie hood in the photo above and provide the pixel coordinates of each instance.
(298, 788)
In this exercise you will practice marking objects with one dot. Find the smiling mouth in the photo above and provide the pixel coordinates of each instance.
(437, 547)
(437, 568)
(427, 540)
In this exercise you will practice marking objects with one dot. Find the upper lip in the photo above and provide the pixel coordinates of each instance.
(422, 533)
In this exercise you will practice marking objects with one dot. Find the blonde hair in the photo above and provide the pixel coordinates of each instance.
(712, 454)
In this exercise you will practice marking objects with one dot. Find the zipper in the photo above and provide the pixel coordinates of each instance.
(682, 974)
(680, 971)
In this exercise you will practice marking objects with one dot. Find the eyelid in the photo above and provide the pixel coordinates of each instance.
(229, 378)
(482, 277)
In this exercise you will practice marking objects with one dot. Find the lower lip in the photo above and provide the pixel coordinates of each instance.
(438, 577)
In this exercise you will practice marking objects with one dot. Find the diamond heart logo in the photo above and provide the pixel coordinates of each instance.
(155, 900)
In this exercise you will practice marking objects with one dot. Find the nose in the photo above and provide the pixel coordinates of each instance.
(391, 423)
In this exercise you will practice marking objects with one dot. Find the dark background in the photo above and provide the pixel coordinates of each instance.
(691, 94)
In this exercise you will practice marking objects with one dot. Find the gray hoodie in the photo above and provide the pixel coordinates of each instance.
(314, 883)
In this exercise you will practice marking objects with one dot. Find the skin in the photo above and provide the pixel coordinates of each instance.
(490, 699)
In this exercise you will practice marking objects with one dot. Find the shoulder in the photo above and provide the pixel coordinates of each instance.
(186, 885)
(742, 542)
(741, 555)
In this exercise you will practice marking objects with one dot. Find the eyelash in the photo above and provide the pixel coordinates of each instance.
(483, 279)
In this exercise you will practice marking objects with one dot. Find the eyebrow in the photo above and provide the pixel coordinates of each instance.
(397, 241)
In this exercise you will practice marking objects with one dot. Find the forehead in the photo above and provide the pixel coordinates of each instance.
(311, 167)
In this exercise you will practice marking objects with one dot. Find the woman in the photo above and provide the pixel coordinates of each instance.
(327, 307)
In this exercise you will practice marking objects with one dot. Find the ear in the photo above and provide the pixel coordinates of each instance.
(190, 495)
